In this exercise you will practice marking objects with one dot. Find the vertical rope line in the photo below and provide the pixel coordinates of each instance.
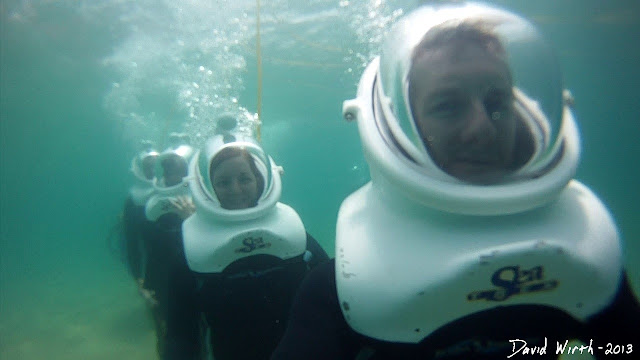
(259, 64)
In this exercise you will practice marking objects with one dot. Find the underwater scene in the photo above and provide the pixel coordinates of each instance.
(84, 82)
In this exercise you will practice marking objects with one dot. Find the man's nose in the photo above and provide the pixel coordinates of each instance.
(235, 186)
(479, 127)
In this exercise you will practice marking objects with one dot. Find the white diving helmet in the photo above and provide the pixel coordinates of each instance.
(400, 160)
(267, 175)
(143, 170)
(246, 220)
(172, 167)
(171, 181)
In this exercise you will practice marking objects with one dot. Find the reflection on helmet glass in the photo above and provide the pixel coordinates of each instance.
(236, 180)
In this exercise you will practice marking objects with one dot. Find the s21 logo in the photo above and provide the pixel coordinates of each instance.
(513, 280)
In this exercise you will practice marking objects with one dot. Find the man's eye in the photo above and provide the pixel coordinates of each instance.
(493, 105)
(222, 183)
(497, 102)
(445, 108)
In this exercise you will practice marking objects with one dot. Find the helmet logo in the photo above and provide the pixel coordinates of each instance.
(251, 244)
(512, 280)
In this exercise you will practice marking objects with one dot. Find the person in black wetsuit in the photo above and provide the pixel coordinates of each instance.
(472, 240)
(135, 226)
(165, 211)
(244, 255)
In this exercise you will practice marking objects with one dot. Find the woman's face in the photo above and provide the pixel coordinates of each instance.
(463, 108)
(235, 184)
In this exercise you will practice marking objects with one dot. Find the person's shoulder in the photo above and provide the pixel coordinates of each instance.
(128, 201)
(319, 255)
(130, 205)
(626, 300)
(622, 313)
(325, 271)
(321, 280)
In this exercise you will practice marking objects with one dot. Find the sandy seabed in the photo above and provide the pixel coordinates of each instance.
(95, 316)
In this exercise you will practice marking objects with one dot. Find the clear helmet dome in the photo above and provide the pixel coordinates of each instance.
(172, 166)
(464, 112)
(470, 93)
(143, 163)
(234, 179)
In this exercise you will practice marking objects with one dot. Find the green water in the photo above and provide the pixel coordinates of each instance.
(83, 81)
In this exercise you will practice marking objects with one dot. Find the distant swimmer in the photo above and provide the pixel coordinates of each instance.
(165, 210)
(135, 225)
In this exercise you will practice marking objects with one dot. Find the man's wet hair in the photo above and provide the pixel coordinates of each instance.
(456, 36)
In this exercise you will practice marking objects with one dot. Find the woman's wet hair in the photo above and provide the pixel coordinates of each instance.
(231, 152)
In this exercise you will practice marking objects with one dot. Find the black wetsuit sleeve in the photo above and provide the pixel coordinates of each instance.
(318, 254)
(316, 328)
(183, 318)
(618, 324)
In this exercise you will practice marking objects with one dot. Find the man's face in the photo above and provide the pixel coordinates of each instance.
(463, 109)
(148, 166)
(174, 170)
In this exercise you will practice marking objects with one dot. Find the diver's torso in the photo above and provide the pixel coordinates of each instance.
(246, 274)
(136, 229)
(406, 277)
(162, 251)
(136, 225)
(526, 330)
(247, 305)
